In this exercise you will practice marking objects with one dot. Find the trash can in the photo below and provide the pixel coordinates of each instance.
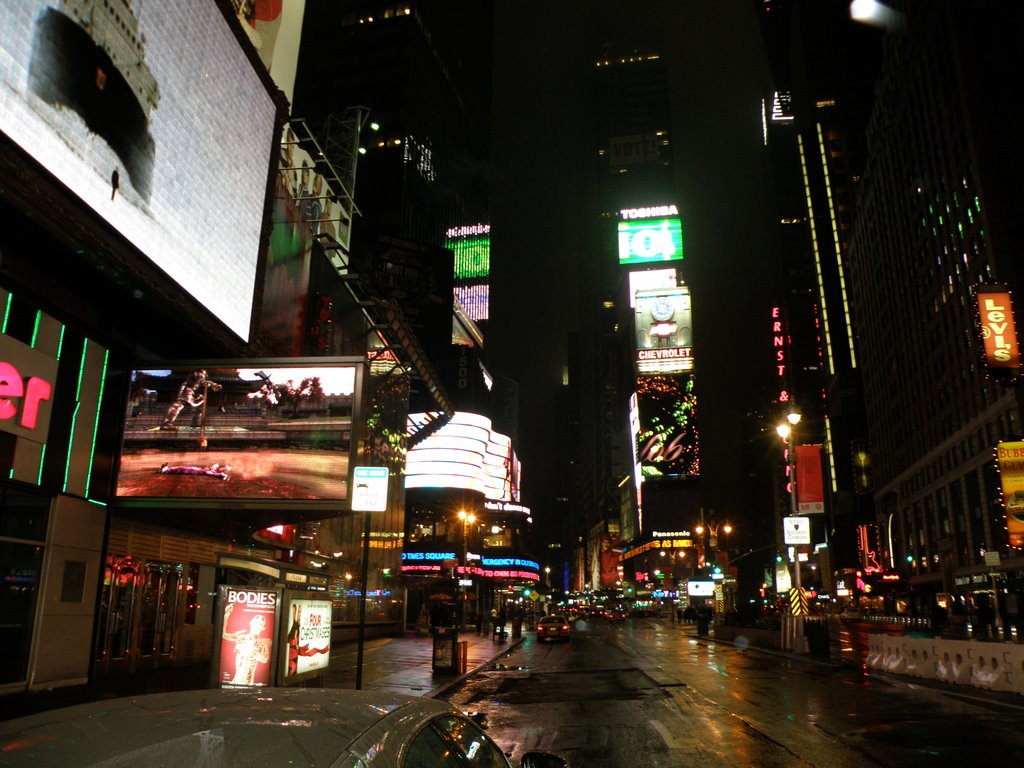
(445, 657)
(517, 627)
(818, 640)
(703, 623)
(462, 656)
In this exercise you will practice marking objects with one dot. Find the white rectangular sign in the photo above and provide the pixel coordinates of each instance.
(796, 530)
(371, 489)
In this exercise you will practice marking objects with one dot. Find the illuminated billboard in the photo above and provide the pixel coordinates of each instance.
(306, 648)
(207, 431)
(247, 619)
(154, 115)
(650, 235)
(472, 248)
(999, 343)
(667, 445)
(1010, 460)
(465, 453)
(645, 279)
(664, 330)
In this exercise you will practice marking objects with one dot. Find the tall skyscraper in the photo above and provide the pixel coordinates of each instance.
(937, 217)
(824, 67)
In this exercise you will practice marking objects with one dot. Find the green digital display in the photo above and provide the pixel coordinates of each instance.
(472, 256)
(650, 240)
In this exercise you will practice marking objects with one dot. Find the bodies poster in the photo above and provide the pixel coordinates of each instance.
(247, 637)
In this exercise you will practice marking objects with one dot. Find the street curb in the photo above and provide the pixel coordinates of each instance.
(449, 684)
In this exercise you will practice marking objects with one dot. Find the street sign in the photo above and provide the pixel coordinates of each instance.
(371, 489)
(797, 602)
(796, 530)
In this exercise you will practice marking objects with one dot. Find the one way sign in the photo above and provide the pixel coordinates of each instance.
(796, 530)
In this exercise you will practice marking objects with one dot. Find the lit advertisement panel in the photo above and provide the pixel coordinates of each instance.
(306, 650)
(999, 342)
(644, 241)
(1010, 461)
(645, 279)
(247, 619)
(664, 330)
(667, 446)
(172, 145)
(472, 248)
(465, 453)
(207, 431)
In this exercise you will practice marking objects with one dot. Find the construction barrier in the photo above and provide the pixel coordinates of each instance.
(991, 668)
(1015, 661)
(893, 660)
(953, 661)
(919, 655)
(986, 665)
(874, 657)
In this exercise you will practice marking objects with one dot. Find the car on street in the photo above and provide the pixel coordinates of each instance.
(553, 627)
(258, 726)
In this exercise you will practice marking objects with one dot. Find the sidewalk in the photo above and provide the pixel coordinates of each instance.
(397, 664)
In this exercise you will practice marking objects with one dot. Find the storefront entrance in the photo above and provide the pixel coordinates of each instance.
(139, 612)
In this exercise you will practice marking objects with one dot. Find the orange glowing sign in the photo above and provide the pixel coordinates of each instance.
(998, 329)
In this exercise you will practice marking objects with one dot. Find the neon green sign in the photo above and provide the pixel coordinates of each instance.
(650, 240)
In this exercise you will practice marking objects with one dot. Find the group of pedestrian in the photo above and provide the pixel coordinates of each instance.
(691, 613)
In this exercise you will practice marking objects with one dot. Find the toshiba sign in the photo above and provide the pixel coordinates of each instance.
(26, 389)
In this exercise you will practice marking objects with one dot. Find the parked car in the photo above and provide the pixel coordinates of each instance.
(552, 628)
(311, 727)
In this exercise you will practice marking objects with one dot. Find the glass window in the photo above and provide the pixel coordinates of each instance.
(429, 749)
(478, 750)
(19, 590)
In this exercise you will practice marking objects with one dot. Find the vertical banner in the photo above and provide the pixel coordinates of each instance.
(1000, 348)
(247, 619)
(810, 493)
(307, 645)
(1010, 460)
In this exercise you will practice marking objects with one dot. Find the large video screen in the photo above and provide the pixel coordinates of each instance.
(649, 240)
(668, 442)
(154, 116)
(280, 431)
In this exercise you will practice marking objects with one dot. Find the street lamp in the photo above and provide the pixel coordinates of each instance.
(467, 518)
(788, 433)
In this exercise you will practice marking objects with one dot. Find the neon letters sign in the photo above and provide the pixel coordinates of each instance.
(31, 392)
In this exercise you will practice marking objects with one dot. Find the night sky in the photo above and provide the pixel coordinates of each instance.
(544, 56)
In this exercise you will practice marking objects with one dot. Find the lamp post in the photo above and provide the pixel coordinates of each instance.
(788, 433)
(467, 519)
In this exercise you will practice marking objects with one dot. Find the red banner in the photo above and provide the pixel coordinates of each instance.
(810, 492)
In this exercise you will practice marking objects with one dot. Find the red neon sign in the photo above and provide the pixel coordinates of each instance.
(13, 387)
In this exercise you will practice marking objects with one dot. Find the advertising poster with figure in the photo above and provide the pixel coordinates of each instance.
(203, 432)
(306, 651)
(247, 620)
(1010, 461)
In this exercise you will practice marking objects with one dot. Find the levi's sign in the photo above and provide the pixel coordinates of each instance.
(998, 330)
(27, 378)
